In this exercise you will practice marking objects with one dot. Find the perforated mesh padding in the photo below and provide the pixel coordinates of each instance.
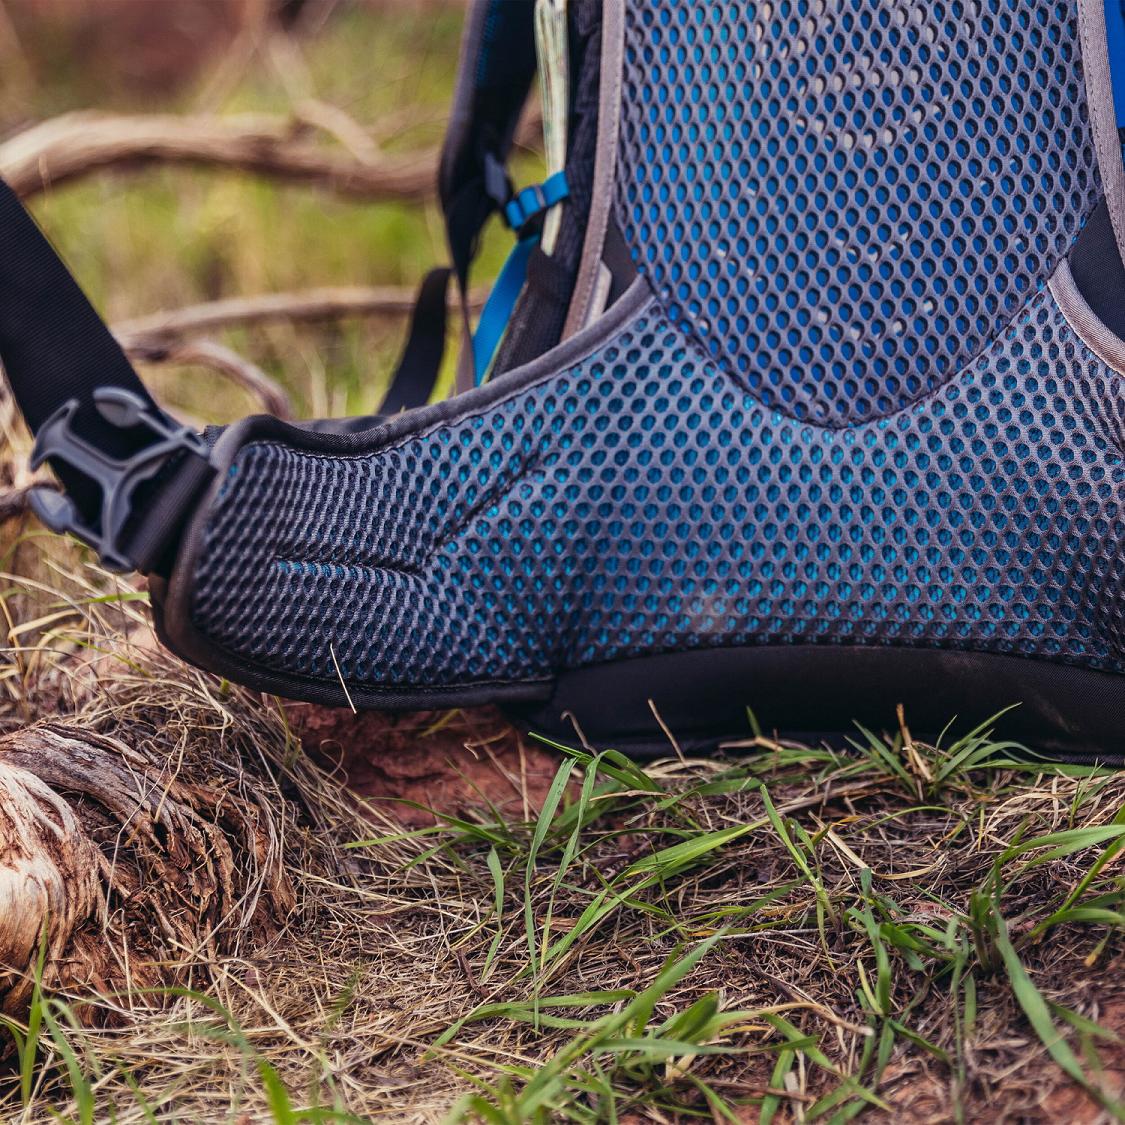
(642, 502)
(845, 200)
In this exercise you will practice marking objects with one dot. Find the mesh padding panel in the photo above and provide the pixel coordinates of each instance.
(641, 502)
(845, 200)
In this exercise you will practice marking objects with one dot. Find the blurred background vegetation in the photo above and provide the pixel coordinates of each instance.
(161, 237)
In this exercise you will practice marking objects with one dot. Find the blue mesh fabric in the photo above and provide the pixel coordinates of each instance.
(844, 201)
(642, 501)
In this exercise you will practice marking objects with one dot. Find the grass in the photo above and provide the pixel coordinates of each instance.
(887, 930)
(793, 931)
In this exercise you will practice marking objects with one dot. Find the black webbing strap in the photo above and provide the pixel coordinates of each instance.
(417, 372)
(104, 436)
(53, 345)
(494, 75)
(495, 72)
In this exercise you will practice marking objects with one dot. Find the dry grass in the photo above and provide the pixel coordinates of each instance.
(883, 930)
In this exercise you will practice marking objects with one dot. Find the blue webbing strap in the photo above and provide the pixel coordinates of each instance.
(1115, 38)
(498, 308)
(524, 207)
(532, 201)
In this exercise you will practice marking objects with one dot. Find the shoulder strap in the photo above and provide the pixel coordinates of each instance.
(495, 71)
(104, 436)
(494, 75)
(53, 345)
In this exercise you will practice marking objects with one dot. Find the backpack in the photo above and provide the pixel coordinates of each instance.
(801, 390)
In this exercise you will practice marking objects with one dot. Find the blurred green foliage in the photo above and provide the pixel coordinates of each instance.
(160, 238)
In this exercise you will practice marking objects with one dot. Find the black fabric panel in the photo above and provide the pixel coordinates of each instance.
(1098, 273)
(152, 537)
(538, 318)
(821, 691)
(618, 260)
(55, 347)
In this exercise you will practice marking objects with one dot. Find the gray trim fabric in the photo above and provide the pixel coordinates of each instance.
(609, 114)
(1103, 120)
(1106, 345)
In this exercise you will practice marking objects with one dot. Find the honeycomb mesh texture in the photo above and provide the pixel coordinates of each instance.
(642, 502)
(844, 201)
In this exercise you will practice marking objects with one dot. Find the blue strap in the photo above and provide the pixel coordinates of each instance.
(1115, 38)
(521, 209)
(497, 310)
(525, 205)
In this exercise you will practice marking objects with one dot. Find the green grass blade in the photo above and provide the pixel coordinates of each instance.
(1039, 1016)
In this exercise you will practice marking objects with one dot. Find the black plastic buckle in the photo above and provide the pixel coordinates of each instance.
(117, 478)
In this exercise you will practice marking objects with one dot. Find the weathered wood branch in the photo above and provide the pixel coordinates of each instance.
(221, 359)
(76, 144)
(306, 307)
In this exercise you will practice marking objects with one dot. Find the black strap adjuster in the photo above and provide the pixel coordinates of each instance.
(118, 478)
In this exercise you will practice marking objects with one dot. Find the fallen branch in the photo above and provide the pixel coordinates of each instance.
(216, 357)
(76, 144)
(309, 306)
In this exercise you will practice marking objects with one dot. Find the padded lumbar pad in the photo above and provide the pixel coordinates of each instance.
(844, 206)
(640, 501)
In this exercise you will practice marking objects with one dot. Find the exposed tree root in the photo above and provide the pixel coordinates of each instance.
(136, 868)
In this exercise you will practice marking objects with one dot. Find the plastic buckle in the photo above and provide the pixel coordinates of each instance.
(118, 478)
(525, 206)
(532, 201)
